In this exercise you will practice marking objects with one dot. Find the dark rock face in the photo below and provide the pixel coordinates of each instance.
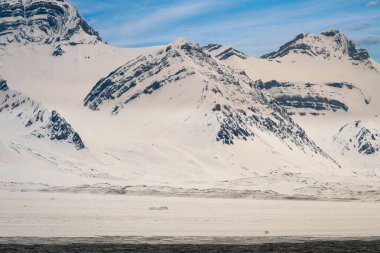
(357, 136)
(341, 85)
(225, 54)
(233, 126)
(357, 54)
(217, 107)
(38, 121)
(289, 47)
(368, 141)
(272, 84)
(231, 52)
(307, 101)
(3, 85)
(212, 47)
(62, 131)
(53, 22)
(316, 103)
(240, 108)
(58, 51)
(330, 33)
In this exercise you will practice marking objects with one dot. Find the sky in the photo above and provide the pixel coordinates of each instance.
(255, 27)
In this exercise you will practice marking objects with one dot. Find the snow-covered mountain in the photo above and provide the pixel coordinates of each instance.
(181, 115)
(37, 121)
(330, 44)
(325, 82)
(52, 22)
(230, 97)
(209, 118)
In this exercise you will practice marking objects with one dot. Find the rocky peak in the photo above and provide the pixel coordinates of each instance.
(347, 46)
(52, 22)
(179, 42)
(330, 44)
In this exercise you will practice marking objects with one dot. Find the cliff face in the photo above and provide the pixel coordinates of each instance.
(53, 22)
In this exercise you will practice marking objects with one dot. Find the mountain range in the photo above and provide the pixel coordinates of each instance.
(303, 120)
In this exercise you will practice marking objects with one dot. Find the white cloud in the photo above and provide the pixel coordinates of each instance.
(373, 3)
(168, 14)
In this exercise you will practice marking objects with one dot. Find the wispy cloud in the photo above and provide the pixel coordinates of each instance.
(370, 40)
(152, 20)
(373, 3)
(168, 14)
(360, 27)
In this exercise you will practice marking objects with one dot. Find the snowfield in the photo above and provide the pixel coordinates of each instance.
(88, 215)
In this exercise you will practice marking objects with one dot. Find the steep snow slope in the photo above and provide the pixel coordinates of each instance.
(51, 22)
(37, 143)
(38, 121)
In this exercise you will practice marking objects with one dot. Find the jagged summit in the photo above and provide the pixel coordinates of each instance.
(53, 22)
(330, 44)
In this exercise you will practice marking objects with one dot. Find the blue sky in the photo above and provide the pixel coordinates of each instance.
(252, 26)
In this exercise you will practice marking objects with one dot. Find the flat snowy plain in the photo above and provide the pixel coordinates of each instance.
(38, 214)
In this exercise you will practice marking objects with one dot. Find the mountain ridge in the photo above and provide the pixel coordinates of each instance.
(240, 108)
(330, 44)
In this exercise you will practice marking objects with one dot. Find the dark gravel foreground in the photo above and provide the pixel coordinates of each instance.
(357, 246)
